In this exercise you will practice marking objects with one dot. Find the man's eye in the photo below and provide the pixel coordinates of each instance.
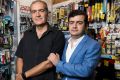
(80, 22)
(71, 22)
(33, 11)
(41, 10)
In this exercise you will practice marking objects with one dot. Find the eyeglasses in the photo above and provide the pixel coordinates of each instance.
(40, 10)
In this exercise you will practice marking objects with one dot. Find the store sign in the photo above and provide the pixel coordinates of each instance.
(24, 9)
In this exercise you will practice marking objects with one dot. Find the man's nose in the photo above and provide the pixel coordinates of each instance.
(38, 14)
(75, 25)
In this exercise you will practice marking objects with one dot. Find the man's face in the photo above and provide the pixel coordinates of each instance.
(76, 25)
(39, 13)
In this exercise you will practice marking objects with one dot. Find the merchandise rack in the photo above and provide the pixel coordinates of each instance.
(6, 38)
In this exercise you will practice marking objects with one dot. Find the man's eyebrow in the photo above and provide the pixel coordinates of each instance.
(70, 21)
(76, 21)
(38, 9)
(80, 21)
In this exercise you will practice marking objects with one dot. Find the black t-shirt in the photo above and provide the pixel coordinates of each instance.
(33, 50)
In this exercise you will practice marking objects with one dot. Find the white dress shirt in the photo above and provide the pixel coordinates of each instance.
(71, 47)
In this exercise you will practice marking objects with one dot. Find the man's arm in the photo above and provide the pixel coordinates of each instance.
(19, 67)
(45, 65)
(19, 54)
(81, 70)
(40, 68)
(58, 44)
(78, 70)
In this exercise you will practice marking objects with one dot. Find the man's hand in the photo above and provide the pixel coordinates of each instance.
(54, 58)
(19, 77)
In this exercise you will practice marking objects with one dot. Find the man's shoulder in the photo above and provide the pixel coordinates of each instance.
(29, 30)
(56, 31)
(91, 41)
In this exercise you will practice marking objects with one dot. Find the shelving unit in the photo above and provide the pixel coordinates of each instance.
(6, 38)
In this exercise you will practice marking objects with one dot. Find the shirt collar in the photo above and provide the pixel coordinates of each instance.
(33, 29)
(80, 38)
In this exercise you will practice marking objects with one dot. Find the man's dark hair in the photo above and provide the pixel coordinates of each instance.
(74, 13)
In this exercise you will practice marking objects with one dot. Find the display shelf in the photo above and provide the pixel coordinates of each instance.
(6, 38)
(4, 65)
(108, 56)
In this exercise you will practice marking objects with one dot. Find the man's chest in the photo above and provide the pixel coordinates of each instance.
(37, 48)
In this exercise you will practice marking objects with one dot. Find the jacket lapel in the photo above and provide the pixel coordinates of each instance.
(78, 48)
(64, 52)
